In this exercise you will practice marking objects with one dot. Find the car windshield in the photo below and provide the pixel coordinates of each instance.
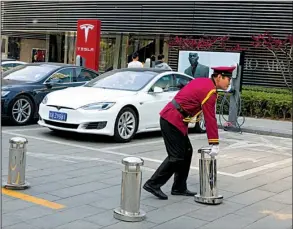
(30, 73)
(123, 80)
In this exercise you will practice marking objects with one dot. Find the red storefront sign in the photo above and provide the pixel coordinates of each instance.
(88, 42)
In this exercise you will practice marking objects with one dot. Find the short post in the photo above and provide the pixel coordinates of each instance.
(17, 163)
(208, 179)
(129, 209)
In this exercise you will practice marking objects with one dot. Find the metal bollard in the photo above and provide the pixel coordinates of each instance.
(129, 209)
(17, 163)
(208, 180)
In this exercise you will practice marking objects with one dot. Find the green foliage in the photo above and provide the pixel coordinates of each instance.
(275, 104)
(267, 105)
(268, 90)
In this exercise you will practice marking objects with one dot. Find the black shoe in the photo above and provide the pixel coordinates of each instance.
(155, 191)
(184, 193)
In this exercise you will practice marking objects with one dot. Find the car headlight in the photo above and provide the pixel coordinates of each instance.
(45, 100)
(4, 93)
(98, 106)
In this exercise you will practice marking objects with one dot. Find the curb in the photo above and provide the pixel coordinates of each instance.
(261, 132)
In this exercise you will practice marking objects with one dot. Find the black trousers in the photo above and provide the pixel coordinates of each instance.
(177, 162)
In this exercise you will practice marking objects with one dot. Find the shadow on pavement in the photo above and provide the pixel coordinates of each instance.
(92, 138)
(7, 122)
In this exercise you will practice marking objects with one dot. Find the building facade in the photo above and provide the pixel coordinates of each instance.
(149, 27)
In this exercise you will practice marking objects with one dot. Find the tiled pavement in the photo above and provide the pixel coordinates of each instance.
(83, 173)
(278, 128)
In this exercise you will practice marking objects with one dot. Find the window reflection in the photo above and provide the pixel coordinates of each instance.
(126, 80)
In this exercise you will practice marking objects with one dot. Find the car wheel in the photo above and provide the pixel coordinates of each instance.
(22, 110)
(200, 126)
(125, 125)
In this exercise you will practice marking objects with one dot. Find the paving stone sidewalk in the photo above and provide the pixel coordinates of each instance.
(90, 189)
(262, 126)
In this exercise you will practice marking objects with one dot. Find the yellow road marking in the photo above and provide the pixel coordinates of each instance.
(32, 199)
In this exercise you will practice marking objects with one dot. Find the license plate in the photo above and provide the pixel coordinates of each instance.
(60, 116)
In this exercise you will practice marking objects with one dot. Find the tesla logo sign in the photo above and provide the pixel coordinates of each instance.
(86, 28)
(88, 42)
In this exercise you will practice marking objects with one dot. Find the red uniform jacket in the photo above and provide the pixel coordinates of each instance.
(199, 95)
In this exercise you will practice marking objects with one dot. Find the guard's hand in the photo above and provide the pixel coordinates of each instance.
(214, 150)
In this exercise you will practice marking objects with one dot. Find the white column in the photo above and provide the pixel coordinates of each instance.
(166, 49)
(124, 51)
(66, 48)
(47, 47)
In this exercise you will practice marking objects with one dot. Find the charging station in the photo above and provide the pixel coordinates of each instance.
(80, 61)
(234, 103)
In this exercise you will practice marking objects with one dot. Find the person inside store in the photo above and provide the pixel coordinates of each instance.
(160, 63)
(153, 60)
(135, 63)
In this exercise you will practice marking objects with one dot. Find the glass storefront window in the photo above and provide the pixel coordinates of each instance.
(14, 48)
(70, 50)
(107, 53)
(143, 45)
(115, 49)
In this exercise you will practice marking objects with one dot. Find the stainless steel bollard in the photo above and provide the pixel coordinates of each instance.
(208, 179)
(17, 163)
(129, 209)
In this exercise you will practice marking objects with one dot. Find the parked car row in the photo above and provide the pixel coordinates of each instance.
(24, 87)
(118, 103)
(8, 64)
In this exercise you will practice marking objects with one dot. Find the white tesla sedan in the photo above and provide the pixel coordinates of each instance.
(119, 103)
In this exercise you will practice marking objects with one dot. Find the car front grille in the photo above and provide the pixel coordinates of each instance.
(63, 125)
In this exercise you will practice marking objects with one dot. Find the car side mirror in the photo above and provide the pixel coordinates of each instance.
(158, 90)
(52, 82)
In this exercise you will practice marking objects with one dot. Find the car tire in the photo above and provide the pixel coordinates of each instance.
(125, 131)
(200, 125)
(21, 110)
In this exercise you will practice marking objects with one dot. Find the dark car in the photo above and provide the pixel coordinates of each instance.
(24, 88)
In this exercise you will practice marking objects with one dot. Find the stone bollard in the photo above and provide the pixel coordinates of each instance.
(129, 209)
(208, 179)
(17, 163)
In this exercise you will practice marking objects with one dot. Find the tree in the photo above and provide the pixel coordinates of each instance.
(203, 43)
(278, 47)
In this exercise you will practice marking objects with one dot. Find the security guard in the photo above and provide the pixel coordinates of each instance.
(199, 95)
